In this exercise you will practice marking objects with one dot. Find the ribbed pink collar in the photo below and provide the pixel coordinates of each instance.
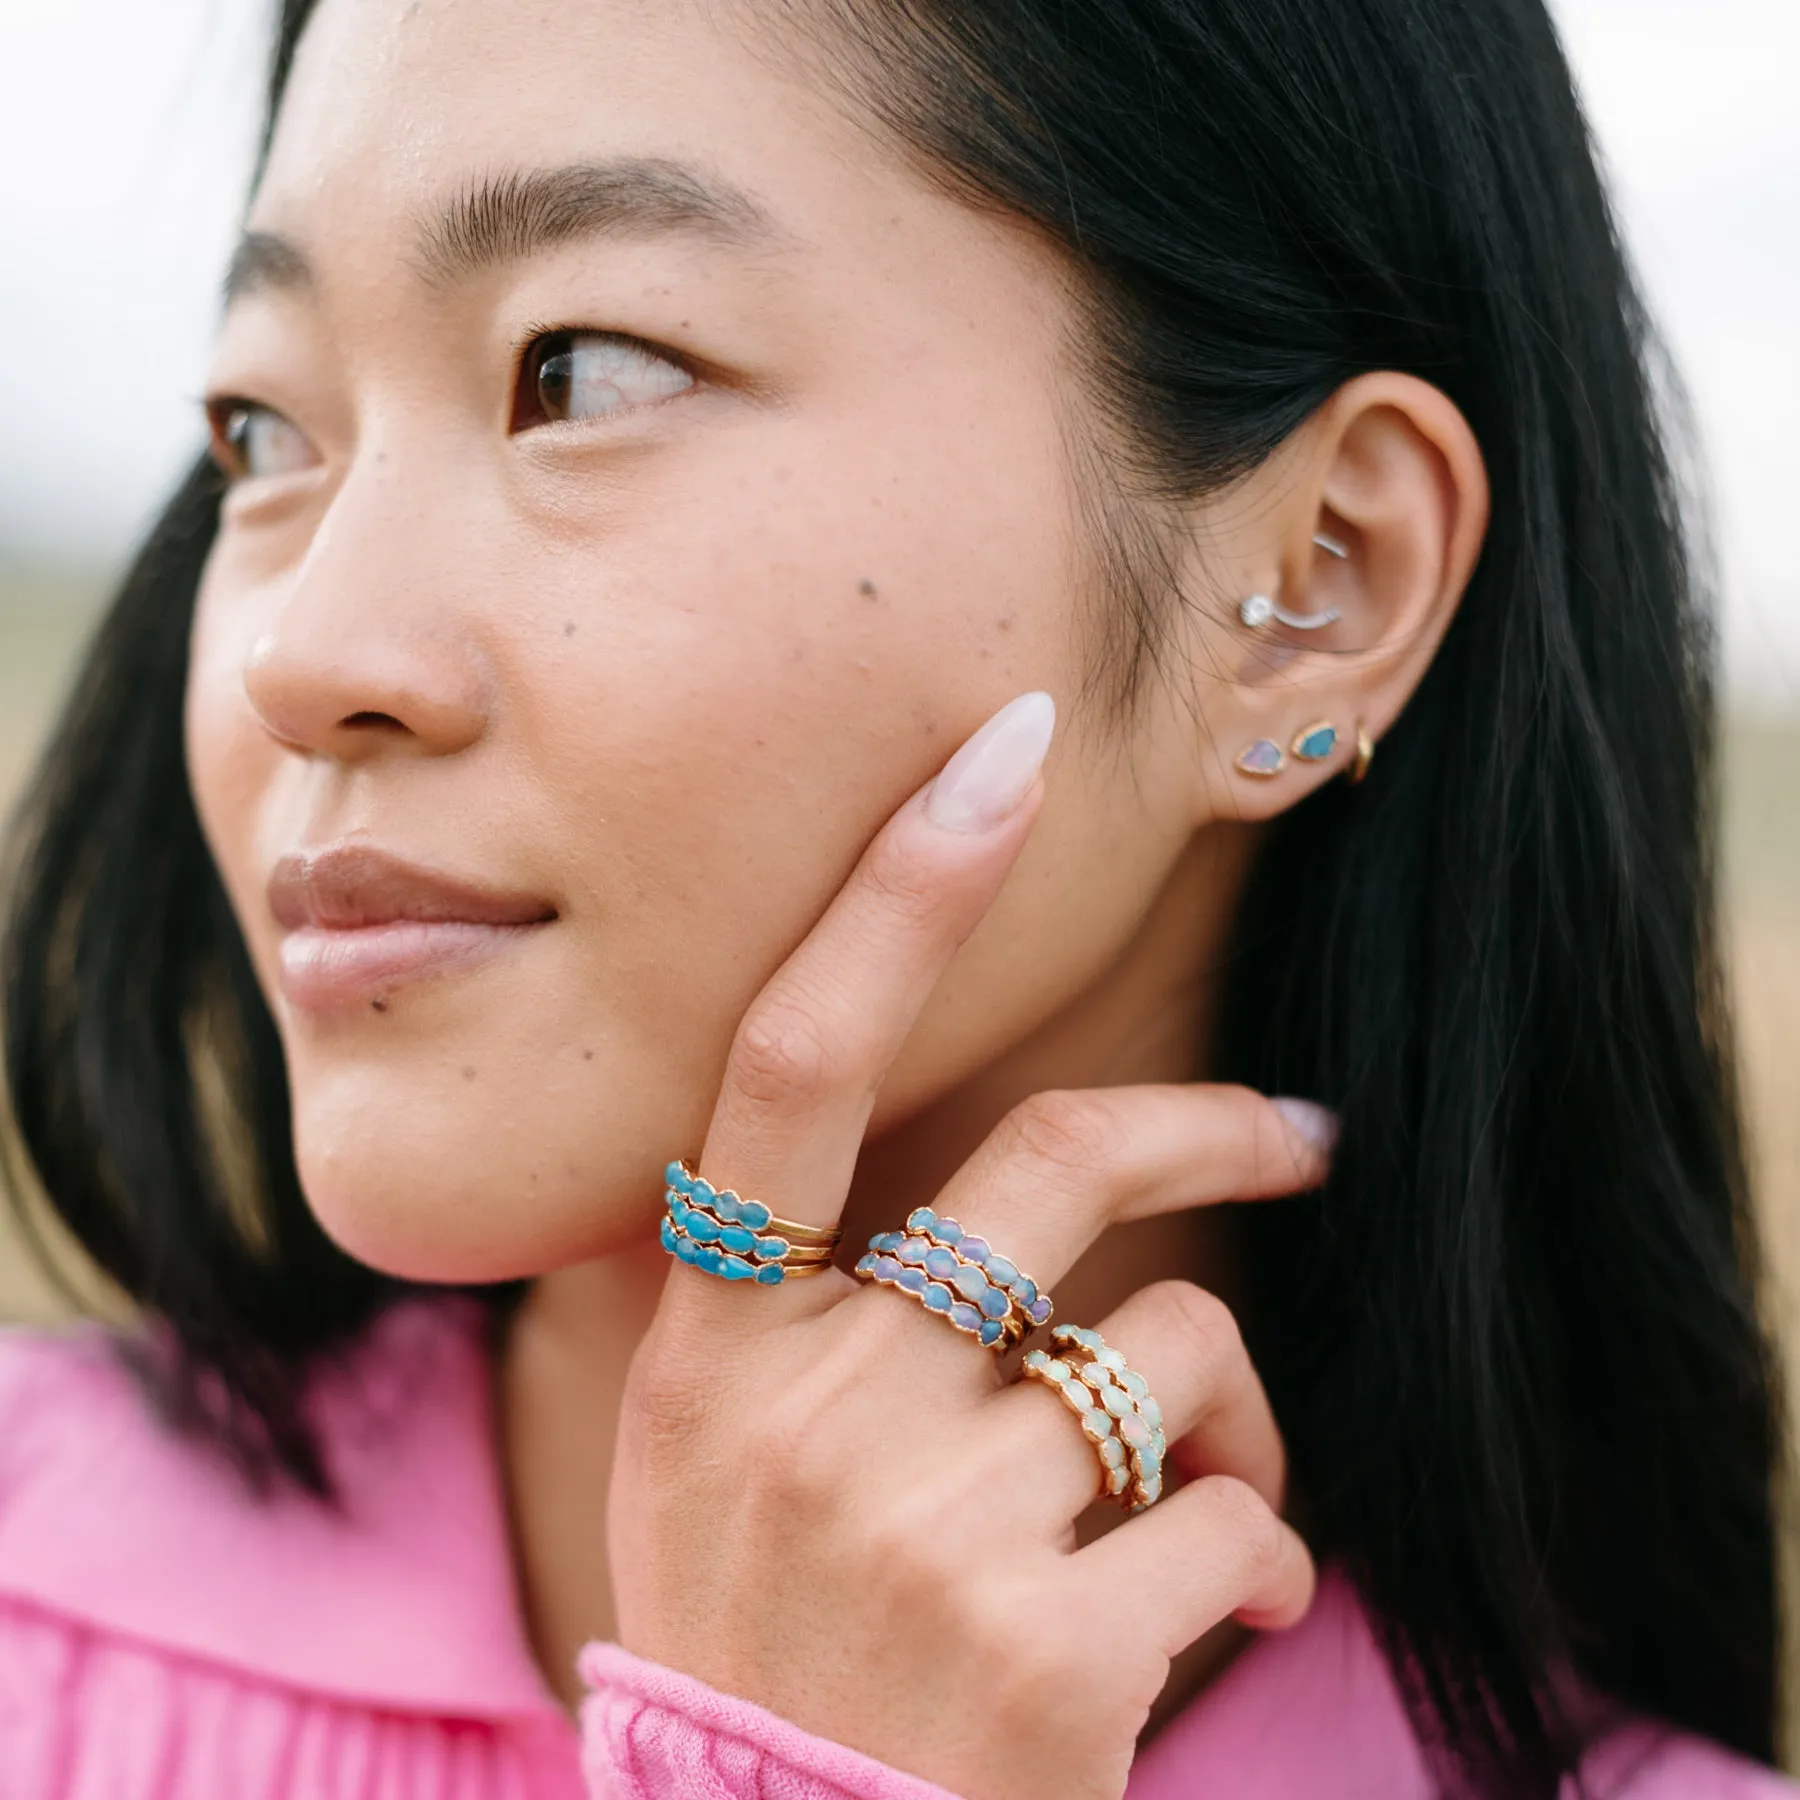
(408, 1601)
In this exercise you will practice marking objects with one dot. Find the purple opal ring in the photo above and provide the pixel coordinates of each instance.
(980, 1293)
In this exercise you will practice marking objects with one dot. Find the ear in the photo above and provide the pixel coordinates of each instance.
(1389, 472)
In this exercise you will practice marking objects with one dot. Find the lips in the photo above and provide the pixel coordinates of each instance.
(358, 923)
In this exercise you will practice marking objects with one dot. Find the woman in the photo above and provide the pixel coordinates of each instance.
(522, 758)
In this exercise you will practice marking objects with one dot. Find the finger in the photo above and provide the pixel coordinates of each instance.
(1214, 1550)
(1186, 1345)
(811, 1051)
(1062, 1166)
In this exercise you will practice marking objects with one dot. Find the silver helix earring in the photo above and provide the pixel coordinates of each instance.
(1256, 610)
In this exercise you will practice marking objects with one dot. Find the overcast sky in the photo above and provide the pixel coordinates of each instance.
(125, 134)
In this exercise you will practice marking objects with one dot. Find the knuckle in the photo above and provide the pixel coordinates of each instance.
(666, 1409)
(783, 1056)
(1067, 1130)
(898, 879)
(1204, 1328)
(1248, 1523)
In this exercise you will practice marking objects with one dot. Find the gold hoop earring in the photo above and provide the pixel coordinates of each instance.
(1365, 754)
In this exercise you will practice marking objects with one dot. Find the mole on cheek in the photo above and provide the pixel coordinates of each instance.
(468, 1074)
(866, 588)
(569, 629)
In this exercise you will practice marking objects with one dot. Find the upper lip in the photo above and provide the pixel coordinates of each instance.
(343, 886)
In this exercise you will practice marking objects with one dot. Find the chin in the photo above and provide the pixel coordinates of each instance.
(460, 1196)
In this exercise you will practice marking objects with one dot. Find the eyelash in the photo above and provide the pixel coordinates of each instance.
(530, 351)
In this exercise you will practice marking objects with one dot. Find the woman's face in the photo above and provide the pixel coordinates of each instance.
(645, 483)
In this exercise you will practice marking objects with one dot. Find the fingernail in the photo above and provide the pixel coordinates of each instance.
(988, 777)
(1317, 1124)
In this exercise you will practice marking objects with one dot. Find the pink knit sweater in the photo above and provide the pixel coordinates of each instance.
(163, 1636)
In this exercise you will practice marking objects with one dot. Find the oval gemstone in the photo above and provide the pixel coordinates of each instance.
(679, 1210)
(1026, 1289)
(686, 1249)
(886, 1269)
(964, 1317)
(948, 1230)
(1133, 1383)
(1058, 1370)
(1001, 1272)
(669, 1236)
(913, 1280)
(1116, 1478)
(1034, 1359)
(995, 1303)
(1134, 1431)
(990, 1331)
(772, 1249)
(941, 1262)
(734, 1268)
(1039, 1310)
(865, 1265)
(1149, 1411)
(1151, 1490)
(673, 1176)
(708, 1257)
(702, 1190)
(725, 1205)
(937, 1297)
(754, 1214)
(913, 1250)
(1109, 1359)
(1096, 1423)
(702, 1229)
(737, 1238)
(1149, 1463)
(1117, 1402)
(974, 1248)
(771, 1275)
(890, 1241)
(1317, 744)
(921, 1218)
(1112, 1452)
(970, 1283)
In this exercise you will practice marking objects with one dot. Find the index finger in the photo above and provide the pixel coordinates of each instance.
(811, 1052)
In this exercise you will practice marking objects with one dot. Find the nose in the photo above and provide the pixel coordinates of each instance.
(368, 654)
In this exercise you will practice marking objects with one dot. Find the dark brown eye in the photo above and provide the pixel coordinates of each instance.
(591, 375)
(250, 442)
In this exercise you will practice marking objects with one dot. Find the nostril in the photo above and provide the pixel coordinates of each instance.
(362, 720)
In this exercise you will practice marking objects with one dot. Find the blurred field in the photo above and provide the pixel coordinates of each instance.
(43, 622)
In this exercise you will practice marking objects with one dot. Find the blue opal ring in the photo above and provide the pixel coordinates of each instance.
(721, 1233)
(981, 1294)
(1117, 1413)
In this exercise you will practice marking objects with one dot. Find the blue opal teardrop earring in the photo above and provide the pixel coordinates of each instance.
(1312, 743)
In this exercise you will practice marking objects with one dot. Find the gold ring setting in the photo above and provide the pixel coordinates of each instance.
(719, 1232)
(1117, 1413)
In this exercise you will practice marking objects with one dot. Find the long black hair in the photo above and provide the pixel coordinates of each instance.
(1514, 1347)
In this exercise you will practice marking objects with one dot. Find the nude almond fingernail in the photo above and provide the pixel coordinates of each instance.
(983, 783)
(1317, 1124)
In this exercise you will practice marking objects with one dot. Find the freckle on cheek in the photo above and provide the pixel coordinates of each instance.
(569, 629)
(468, 1074)
(378, 1005)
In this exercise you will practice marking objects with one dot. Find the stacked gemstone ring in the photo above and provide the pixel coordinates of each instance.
(1115, 1408)
(959, 1276)
(721, 1233)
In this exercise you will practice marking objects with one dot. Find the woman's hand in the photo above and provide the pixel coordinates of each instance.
(829, 1502)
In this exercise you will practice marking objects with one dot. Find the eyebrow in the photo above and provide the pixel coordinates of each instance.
(510, 216)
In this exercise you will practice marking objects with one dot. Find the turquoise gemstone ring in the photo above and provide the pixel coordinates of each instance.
(719, 1232)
